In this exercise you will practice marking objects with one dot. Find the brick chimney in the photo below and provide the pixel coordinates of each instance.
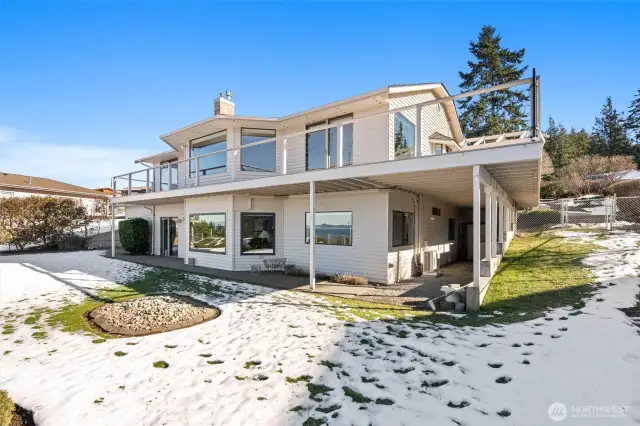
(223, 104)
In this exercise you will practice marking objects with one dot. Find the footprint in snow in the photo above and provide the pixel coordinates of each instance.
(495, 364)
(503, 379)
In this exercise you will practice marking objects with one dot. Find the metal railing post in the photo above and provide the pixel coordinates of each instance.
(147, 188)
(129, 191)
(284, 157)
(418, 130)
(340, 145)
(197, 171)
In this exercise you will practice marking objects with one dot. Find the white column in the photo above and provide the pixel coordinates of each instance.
(340, 145)
(502, 223)
(494, 224)
(113, 230)
(147, 188)
(487, 222)
(418, 136)
(284, 157)
(476, 226)
(312, 235)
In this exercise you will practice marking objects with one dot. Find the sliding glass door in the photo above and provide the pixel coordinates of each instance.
(169, 238)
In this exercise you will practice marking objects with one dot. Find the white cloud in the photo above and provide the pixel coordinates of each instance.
(85, 165)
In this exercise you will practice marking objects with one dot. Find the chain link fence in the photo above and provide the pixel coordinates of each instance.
(594, 212)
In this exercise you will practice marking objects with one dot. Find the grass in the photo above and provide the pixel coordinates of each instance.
(539, 272)
(119, 353)
(7, 408)
(215, 362)
(304, 378)
(39, 335)
(160, 364)
(250, 364)
(356, 396)
(316, 389)
(73, 316)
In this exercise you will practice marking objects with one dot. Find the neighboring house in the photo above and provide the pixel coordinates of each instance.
(12, 185)
(388, 173)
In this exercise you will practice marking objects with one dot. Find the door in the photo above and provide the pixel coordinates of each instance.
(169, 238)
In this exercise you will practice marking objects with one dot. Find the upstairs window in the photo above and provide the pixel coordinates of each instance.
(404, 133)
(440, 148)
(435, 211)
(211, 164)
(403, 229)
(259, 158)
(322, 146)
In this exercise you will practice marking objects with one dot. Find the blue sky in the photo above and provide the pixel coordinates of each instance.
(88, 86)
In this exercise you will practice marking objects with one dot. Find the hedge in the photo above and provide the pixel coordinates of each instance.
(134, 235)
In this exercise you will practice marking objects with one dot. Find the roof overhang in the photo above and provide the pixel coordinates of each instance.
(448, 177)
(48, 191)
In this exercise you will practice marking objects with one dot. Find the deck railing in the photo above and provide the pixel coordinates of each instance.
(187, 172)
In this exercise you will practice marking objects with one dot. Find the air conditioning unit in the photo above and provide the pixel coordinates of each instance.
(430, 260)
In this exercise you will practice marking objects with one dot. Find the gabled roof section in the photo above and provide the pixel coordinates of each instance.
(38, 185)
(215, 123)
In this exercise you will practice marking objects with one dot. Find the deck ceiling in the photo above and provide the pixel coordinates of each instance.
(453, 186)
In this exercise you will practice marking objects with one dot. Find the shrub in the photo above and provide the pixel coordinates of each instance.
(349, 279)
(7, 409)
(134, 235)
(625, 188)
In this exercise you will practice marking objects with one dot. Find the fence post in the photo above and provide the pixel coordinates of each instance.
(614, 211)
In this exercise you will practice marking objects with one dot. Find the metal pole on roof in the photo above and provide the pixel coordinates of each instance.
(534, 106)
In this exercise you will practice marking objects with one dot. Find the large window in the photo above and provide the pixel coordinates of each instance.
(332, 228)
(260, 158)
(208, 232)
(322, 146)
(257, 233)
(169, 175)
(403, 136)
(403, 227)
(216, 163)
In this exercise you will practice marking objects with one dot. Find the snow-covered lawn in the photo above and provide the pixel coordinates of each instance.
(361, 373)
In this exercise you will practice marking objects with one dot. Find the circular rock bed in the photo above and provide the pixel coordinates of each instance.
(151, 314)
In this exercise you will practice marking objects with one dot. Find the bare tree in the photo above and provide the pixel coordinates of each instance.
(595, 174)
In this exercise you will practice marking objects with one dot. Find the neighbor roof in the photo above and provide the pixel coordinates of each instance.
(38, 185)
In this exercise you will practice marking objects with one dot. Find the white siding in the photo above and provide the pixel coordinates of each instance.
(401, 258)
(433, 120)
(433, 230)
(257, 205)
(365, 257)
(370, 142)
(437, 230)
(218, 204)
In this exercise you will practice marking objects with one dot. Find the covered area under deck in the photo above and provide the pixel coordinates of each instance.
(491, 182)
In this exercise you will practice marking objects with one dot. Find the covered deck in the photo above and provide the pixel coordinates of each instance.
(492, 181)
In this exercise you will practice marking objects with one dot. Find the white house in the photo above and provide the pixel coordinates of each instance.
(393, 183)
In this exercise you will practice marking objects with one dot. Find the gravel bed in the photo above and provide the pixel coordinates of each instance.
(152, 314)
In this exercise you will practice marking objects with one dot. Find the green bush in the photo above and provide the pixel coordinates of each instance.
(134, 235)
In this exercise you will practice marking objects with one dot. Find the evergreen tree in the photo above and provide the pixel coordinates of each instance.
(577, 144)
(496, 112)
(556, 134)
(633, 125)
(609, 135)
(633, 120)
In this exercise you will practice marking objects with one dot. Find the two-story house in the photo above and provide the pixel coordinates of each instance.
(385, 182)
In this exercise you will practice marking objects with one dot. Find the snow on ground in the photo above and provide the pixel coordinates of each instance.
(429, 374)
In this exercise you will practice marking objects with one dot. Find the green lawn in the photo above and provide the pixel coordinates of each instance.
(540, 272)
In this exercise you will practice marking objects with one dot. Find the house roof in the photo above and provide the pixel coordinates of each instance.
(176, 138)
(38, 185)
